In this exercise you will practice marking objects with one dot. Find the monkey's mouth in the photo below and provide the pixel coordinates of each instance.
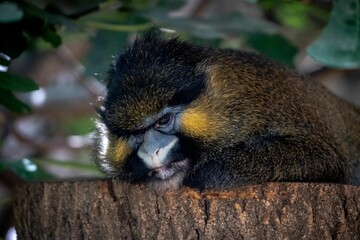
(169, 170)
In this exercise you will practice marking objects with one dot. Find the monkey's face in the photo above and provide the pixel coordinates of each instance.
(152, 154)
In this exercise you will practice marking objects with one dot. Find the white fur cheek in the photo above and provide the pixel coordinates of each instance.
(101, 146)
(103, 139)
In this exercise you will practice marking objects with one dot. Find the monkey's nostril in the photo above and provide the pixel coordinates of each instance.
(156, 171)
(157, 152)
(152, 173)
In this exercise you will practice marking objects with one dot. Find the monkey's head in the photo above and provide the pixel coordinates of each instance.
(165, 109)
(141, 133)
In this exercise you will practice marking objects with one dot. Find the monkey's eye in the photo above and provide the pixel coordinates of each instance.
(163, 121)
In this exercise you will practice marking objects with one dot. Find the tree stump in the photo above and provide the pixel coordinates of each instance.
(102, 209)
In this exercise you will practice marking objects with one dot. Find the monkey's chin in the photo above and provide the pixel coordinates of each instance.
(169, 176)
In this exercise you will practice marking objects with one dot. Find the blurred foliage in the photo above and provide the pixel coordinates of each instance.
(33, 170)
(111, 24)
(295, 14)
(284, 53)
(339, 44)
(25, 22)
(80, 126)
(26, 169)
(20, 25)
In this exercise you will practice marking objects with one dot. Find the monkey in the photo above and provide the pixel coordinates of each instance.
(181, 114)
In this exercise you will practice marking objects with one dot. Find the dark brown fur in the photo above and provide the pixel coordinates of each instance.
(259, 122)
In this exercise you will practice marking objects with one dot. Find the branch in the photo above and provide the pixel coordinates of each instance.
(101, 209)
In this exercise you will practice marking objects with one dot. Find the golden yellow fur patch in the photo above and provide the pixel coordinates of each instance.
(120, 150)
(197, 123)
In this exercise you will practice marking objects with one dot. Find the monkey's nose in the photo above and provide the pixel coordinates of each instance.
(155, 157)
(157, 152)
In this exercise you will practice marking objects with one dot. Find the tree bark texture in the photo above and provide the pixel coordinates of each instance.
(102, 209)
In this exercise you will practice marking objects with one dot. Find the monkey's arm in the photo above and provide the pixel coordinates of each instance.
(271, 158)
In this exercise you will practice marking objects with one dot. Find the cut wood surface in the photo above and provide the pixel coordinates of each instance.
(102, 209)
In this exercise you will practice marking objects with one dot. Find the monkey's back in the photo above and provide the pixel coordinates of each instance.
(272, 98)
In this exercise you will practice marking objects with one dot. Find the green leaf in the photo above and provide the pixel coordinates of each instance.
(50, 35)
(25, 169)
(297, 14)
(16, 83)
(8, 100)
(115, 21)
(339, 43)
(10, 12)
(275, 47)
(135, 5)
(36, 26)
